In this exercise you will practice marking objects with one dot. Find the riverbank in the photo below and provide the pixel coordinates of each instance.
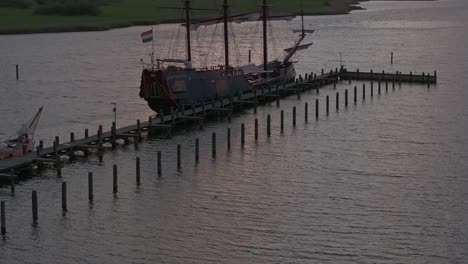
(126, 13)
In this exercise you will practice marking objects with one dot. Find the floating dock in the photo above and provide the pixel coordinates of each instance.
(195, 113)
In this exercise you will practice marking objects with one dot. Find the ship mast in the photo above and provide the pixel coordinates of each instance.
(226, 37)
(302, 18)
(187, 18)
(265, 44)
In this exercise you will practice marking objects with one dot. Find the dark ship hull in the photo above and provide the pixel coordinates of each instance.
(179, 88)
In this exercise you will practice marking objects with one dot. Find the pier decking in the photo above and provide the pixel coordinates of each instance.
(166, 121)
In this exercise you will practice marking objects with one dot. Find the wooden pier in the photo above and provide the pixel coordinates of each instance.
(195, 113)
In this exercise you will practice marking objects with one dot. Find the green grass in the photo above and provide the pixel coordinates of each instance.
(122, 13)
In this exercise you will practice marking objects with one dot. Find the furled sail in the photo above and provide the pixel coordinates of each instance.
(240, 18)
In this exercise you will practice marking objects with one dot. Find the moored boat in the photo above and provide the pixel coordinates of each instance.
(23, 141)
(179, 86)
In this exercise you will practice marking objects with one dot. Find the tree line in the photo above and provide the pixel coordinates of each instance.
(58, 7)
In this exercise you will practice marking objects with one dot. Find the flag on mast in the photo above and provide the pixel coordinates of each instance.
(147, 36)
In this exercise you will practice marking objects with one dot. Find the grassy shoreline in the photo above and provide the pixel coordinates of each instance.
(127, 13)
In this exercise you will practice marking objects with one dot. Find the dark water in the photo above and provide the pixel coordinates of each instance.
(383, 181)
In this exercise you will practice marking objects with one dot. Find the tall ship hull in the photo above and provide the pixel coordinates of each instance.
(178, 87)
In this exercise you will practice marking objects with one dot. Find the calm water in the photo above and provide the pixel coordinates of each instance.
(384, 181)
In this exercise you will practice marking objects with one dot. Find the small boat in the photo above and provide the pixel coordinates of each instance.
(23, 141)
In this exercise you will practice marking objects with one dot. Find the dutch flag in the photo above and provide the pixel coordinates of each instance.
(147, 36)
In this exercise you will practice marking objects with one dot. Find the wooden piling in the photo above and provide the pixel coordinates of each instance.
(2, 218)
(306, 112)
(346, 98)
(90, 187)
(213, 145)
(34, 206)
(316, 108)
(59, 173)
(242, 134)
(159, 163)
(41, 144)
(12, 184)
(355, 94)
(100, 155)
(327, 104)
(372, 91)
(391, 58)
(337, 101)
(72, 137)
(137, 167)
(229, 138)
(179, 156)
(268, 125)
(363, 91)
(197, 150)
(86, 133)
(115, 183)
(64, 198)
(282, 121)
(256, 129)
(386, 86)
(294, 116)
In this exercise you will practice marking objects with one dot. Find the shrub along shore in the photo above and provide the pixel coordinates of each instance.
(46, 16)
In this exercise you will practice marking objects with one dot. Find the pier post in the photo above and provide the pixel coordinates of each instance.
(322, 72)
(242, 134)
(278, 101)
(318, 90)
(306, 112)
(59, 173)
(294, 116)
(346, 98)
(90, 187)
(34, 207)
(268, 125)
(213, 145)
(72, 136)
(159, 163)
(393, 82)
(386, 86)
(355, 94)
(179, 156)
(282, 121)
(435, 76)
(17, 72)
(41, 144)
(337, 101)
(57, 140)
(229, 138)
(298, 94)
(100, 155)
(115, 183)
(334, 84)
(2, 218)
(363, 92)
(327, 104)
(55, 148)
(391, 58)
(250, 56)
(372, 91)
(197, 150)
(316, 108)
(12, 184)
(64, 198)
(137, 167)
(86, 133)
(372, 76)
(379, 88)
(99, 136)
(256, 129)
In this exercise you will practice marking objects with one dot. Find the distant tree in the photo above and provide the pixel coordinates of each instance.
(68, 7)
(16, 3)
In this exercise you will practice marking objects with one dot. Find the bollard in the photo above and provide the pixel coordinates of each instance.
(229, 138)
(346, 98)
(2, 218)
(282, 121)
(34, 206)
(17, 72)
(179, 156)
(86, 133)
(242, 134)
(256, 129)
(316, 108)
(363, 92)
(337, 101)
(72, 136)
(294, 116)
(306, 112)
(327, 105)
(137, 166)
(268, 125)
(90, 187)
(64, 198)
(115, 184)
(213, 145)
(197, 150)
(159, 164)
(355, 94)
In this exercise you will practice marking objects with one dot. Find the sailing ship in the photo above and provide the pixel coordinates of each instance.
(178, 87)
(23, 141)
